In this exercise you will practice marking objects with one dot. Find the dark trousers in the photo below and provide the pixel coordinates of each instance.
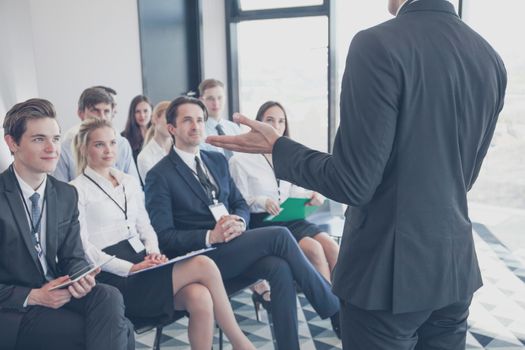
(443, 329)
(94, 322)
(272, 253)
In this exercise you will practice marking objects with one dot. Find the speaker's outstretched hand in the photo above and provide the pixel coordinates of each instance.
(260, 139)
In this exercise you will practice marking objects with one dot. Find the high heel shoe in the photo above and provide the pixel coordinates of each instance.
(258, 300)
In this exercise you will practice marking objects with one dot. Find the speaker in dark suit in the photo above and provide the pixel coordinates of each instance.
(40, 243)
(178, 199)
(420, 98)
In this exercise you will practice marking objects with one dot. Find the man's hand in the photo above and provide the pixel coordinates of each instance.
(226, 229)
(53, 299)
(83, 286)
(272, 206)
(260, 139)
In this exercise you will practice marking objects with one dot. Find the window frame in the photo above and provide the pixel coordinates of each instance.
(235, 15)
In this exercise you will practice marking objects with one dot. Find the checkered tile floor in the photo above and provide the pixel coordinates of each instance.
(497, 314)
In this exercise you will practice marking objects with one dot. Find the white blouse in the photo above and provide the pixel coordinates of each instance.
(103, 223)
(256, 180)
(150, 155)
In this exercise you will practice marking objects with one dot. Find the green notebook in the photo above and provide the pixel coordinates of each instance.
(293, 209)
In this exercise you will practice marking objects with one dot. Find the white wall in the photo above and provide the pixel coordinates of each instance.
(56, 48)
(214, 40)
(17, 64)
(214, 48)
(60, 47)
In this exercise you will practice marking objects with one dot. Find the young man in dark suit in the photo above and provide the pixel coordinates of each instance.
(420, 98)
(40, 248)
(193, 203)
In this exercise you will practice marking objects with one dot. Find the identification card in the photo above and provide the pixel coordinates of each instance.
(136, 244)
(218, 211)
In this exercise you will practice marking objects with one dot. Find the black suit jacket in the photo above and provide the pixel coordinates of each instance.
(178, 206)
(420, 98)
(20, 269)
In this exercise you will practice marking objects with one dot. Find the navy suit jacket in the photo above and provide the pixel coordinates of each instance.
(20, 270)
(420, 98)
(178, 205)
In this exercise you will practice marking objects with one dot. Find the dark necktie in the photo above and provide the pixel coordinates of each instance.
(209, 187)
(220, 130)
(35, 219)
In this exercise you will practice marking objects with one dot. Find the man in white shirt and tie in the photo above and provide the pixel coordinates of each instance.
(212, 93)
(40, 248)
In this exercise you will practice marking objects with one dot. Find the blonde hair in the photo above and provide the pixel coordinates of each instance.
(81, 139)
(159, 109)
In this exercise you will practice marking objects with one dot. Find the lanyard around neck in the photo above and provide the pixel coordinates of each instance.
(123, 210)
(35, 227)
(277, 181)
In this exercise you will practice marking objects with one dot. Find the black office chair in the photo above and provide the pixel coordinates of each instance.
(143, 325)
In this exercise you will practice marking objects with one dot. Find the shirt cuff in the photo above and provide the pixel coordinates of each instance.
(260, 203)
(243, 221)
(207, 241)
(25, 301)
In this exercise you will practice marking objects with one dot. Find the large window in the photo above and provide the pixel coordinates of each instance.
(502, 178)
(247, 5)
(287, 60)
(278, 50)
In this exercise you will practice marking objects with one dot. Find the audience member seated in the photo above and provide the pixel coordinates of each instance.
(254, 176)
(114, 221)
(211, 92)
(157, 142)
(139, 120)
(193, 203)
(95, 102)
(40, 247)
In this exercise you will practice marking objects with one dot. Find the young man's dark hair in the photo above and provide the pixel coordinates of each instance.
(171, 112)
(93, 96)
(16, 118)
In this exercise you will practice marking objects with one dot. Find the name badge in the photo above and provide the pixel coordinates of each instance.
(218, 211)
(136, 244)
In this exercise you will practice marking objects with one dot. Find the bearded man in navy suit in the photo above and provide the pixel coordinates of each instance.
(193, 203)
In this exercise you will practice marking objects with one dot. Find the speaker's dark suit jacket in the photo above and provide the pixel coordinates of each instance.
(20, 270)
(183, 226)
(420, 98)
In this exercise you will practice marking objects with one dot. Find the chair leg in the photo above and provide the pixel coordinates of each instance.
(220, 339)
(158, 335)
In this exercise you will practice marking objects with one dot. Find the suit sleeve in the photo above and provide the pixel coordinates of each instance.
(70, 253)
(489, 132)
(160, 209)
(237, 204)
(13, 297)
(369, 107)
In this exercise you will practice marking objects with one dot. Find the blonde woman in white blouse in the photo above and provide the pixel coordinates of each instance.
(254, 176)
(114, 221)
(157, 142)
